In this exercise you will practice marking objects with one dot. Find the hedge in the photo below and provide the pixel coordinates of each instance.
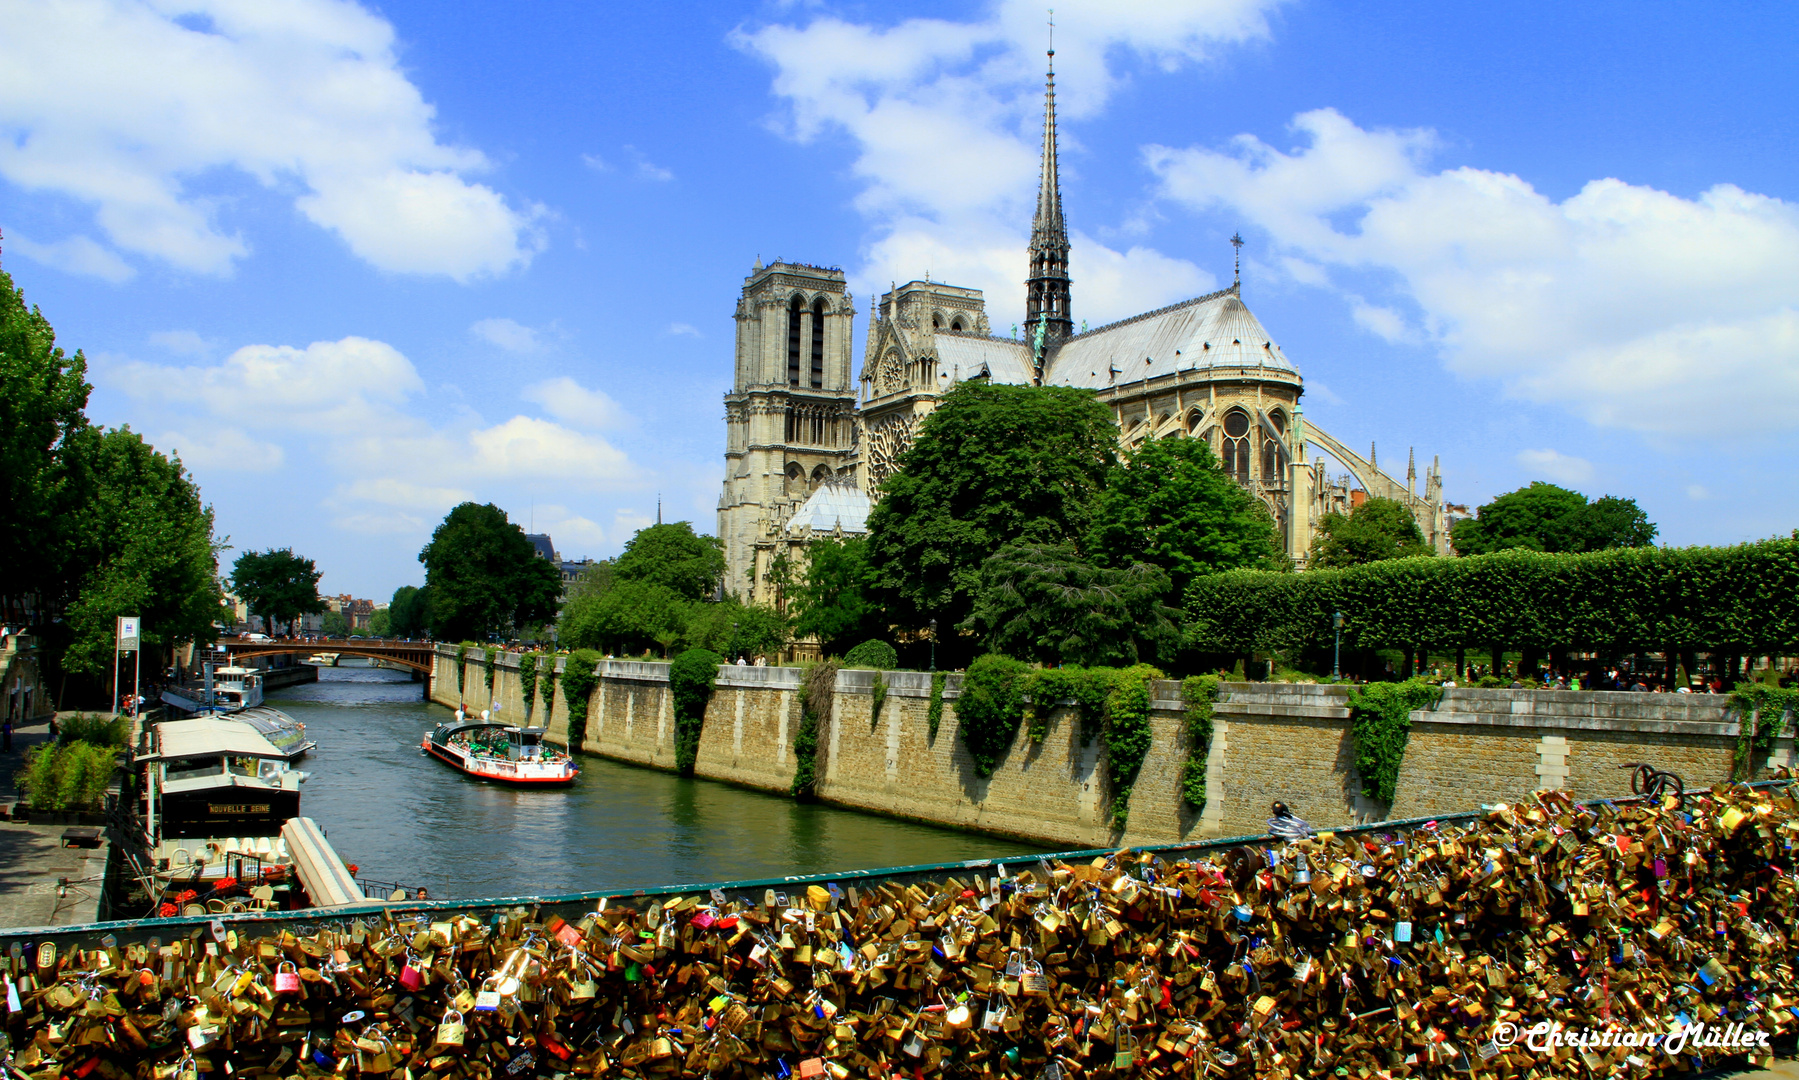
(1743, 598)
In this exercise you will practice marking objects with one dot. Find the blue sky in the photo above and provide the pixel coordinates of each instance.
(358, 263)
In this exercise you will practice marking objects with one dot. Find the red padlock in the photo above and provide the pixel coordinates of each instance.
(410, 976)
(287, 978)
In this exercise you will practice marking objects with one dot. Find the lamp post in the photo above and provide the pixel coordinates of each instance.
(933, 646)
(1337, 645)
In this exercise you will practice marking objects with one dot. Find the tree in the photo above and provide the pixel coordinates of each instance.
(409, 612)
(832, 600)
(336, 625)
(626, 618)
(485, 577)
(43, 395)
(276, 584)
(991, 466)
(1046, 603)
(381, 622)
(1545, 517)
(1376, 530)
(1171, 505)
(735, 629)
(674, 556)
(147, 540)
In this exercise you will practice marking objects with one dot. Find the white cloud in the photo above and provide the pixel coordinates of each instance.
(569, 401)
(507, 334)
(222, 449)
(946, 118)
(75, 255)
(1632, 307)
(647, 169)
(345, 409)
(181, 342)
(576, 536)
(127, 105)
(596, 163)
(1557, 466)
(1698, 492)
(681, 329)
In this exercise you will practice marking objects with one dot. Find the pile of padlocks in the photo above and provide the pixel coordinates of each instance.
(1355, 955)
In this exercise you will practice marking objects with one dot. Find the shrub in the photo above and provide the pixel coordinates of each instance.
(527, 680)
(72, 776)
(95, 729)
(1200, 692)
(1129, 734)
(690, 679)
(873, 653)
(934, 714)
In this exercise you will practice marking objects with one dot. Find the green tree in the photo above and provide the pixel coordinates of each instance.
(626, 619)
(1046, 603)
(832, 599)
(485, 578)
(674, 556)
(1171, 505)
(992, 465)
(1376, 530)
(409, 612)
(336, 625)
(733, 629)
(43, 393)
(1545, 517)
(147, 540)
(381, 622)
(278, 585)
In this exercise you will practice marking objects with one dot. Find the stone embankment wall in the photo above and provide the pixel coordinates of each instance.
(1271, 741)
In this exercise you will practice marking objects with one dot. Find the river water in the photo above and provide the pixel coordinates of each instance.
(407, 818)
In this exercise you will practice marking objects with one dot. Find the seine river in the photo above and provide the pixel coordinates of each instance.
(404, 817)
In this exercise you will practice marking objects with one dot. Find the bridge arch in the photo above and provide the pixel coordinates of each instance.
(419, 656)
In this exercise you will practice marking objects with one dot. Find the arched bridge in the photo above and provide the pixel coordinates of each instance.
(414, 655)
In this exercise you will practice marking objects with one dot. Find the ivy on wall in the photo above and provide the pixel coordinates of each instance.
(690, 680)
(1088, 688)
(991, 708)
(815, 705)
(1129, 734)
(934, 714)
(877, 698)
(527, 680)
(1764, 711)
(546, 687)
(461, 667)
(579, 676)
(1380, 715)
(1200, 693)
(487, 669)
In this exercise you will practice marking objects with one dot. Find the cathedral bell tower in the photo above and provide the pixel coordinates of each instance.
(1046, 290)
(790, 415)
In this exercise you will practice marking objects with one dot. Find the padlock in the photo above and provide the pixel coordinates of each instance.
(450, 1029)
(287, 978)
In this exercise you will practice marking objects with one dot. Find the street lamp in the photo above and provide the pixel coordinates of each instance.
(933, 645)
(1337, 645)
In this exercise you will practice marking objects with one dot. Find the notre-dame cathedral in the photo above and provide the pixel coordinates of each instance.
(807, 448)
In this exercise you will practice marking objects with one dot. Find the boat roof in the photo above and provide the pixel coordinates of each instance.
(235, 671)
(202, 737)
(468, 725)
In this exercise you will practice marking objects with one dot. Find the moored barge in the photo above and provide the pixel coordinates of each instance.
(490, 750)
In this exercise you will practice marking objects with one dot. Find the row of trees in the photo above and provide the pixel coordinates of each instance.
(97, 523)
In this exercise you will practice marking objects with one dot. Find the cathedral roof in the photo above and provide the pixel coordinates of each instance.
(832, 506)
(1215, 330)
(966, 356)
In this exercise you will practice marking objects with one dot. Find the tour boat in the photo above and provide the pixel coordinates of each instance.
(490, 750)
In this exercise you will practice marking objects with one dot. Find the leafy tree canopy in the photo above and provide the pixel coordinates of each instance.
(676, 557)
(1171, 505)
(1544, 517)
(409, 612)
(43, 393)
(1376, 530)
(1045, 602)
(149, 548)
(990, 466)
(336, 624)
(485, 578)
(832, 599)
(277, 584)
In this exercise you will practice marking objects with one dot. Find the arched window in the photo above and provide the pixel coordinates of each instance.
(820, 475)
(936, 320)
(1236, 445)
(1195, 420)
(1270, 460)
(796, 480)
(795, 308)
(818, 343)
(956, 325)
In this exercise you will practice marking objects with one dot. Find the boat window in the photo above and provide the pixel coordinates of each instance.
(244, 766)
(269, 769)
(189, 768)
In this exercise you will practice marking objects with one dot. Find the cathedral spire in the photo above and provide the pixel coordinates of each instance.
(1046, 290)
